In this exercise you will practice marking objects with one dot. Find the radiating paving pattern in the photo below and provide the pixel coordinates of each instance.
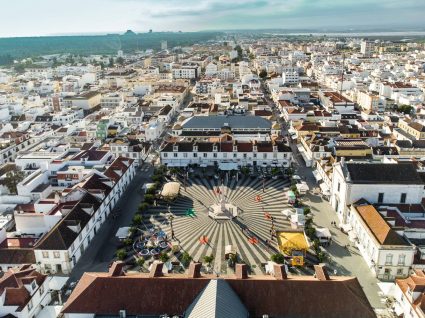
(200, 194)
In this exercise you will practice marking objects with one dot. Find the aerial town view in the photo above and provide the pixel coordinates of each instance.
(212, 159)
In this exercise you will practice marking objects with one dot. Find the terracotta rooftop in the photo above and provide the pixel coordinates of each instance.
(140, 294)
(379, 227)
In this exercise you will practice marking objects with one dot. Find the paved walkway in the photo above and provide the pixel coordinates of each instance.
(102, 249)
(344, 261)
(200, 194)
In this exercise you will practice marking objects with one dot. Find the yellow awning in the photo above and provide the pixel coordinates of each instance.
(291, 240)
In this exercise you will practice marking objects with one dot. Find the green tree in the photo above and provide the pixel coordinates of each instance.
(128, 242)
(151, 190)
(208, 259)
(186, 259)
(12, 179)
(140, 261)
(405, 109)
(277, 258)
(111, 62)
(137, 219)
(19, 68)
(120, 61)
(121, 254)
(263, 74)
(149, 198)
(143, 207)
(307, 211)
(164, 257)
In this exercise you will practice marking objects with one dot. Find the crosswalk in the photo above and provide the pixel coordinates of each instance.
(200, 193)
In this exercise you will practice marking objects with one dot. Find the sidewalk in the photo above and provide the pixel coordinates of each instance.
(348, 262)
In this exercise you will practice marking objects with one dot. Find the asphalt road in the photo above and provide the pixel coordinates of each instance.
(103, 246)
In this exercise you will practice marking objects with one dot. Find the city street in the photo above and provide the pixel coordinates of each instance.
(346, 261)
(102, 249)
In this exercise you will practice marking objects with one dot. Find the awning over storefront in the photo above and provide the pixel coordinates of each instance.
(173, 164)
(228, 166)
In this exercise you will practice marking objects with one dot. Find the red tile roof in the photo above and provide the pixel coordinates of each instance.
(101, 294)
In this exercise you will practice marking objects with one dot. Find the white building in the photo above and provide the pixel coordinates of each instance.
(290, 78)
(367, 48)
(409, 295)
(23, 292)
(226, 155)
(186, 71)
(375, 182)
(60, 248)
(387, 253)
(111, 100)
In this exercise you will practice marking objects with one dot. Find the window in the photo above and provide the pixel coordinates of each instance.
(274, 155)
(403, 198)
(401, 259)
(235, 155)
(244, 155)
(264, 156)
(33, 285)
(399, 272)
(185, 155)
(380, 197)
(56, 254)
(165, 155)
(389, 259)
(45, 254)
(339, 186)
(215, 155)
(175, 154)
(30, 305)
(254, 155)
(195, 155)
(205, 154)
(224, 154)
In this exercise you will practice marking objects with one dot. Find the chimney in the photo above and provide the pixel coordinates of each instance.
(194, 270)
(321, 272)
(241, 271)
(156, 270)
(280, 272)
(116, 269)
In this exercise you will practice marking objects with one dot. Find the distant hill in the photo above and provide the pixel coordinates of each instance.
(97, 44)
(129, 32)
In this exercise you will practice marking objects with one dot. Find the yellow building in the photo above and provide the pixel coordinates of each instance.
(414, 129)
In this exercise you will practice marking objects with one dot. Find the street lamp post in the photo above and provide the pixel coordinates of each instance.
(171, 218)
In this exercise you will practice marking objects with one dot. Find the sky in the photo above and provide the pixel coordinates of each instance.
(53, 17)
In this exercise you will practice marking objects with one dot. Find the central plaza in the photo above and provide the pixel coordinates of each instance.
(248, 230)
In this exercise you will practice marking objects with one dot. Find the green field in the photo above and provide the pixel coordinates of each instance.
(14, 48)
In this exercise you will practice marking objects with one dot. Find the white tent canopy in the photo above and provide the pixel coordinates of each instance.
(123, 233)
(228, 166)
(323, 232)
(302, 187)
(170, 190)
